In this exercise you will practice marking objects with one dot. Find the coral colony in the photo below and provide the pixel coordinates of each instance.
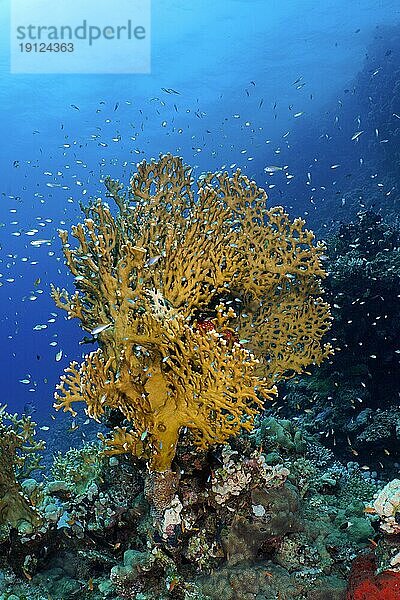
(202, 300)
(207, 300)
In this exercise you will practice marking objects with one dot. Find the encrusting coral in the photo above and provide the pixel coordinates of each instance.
(200, 303)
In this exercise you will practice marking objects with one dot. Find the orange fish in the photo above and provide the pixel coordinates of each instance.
(369, 510)
(172, 584)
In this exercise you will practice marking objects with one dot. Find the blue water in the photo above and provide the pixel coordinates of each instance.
(234, 64)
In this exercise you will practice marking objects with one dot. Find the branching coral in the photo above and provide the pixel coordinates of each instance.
(200, 302)
(19, 457)
(78, 468)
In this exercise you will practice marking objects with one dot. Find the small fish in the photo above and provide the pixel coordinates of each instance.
(29, 408)
(272, 169)
(172, 584)
(44, 428)
(75, 107)
(369, 510)
(100, 328)
(59, 356)
(169, 91)
(357, 135)
(73, 427)
(153, 260)
(40, 242)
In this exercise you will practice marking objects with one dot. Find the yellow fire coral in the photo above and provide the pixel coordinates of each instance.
(200, 301)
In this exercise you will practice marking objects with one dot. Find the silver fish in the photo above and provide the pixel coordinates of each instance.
(100, 328)
(272, 169)
(357, 135)
(152, 261)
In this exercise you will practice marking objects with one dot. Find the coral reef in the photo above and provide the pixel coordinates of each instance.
(387, 506)
(353, 398)
(236, 523)
(200, 302)
(193, 336)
